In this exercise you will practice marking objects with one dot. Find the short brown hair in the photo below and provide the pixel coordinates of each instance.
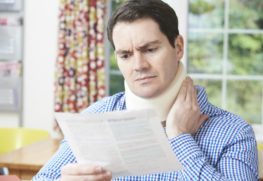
(157, 10)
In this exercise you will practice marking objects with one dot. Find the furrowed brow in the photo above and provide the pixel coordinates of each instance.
(120, 52)
(146, 45)
(142, 47)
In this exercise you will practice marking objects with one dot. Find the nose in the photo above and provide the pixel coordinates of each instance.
(140, 62)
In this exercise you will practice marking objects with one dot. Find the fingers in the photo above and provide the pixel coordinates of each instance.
(182, 92)
(185, 115)
(100, 177)
(72, 169)
(191, 97)
(187, 95)
(84, 172)
(190, 91)
(194, 95)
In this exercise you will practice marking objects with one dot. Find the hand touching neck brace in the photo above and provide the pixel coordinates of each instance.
(162, 103)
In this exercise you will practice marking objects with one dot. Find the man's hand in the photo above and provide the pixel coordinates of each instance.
(83, 172)
(185, 116)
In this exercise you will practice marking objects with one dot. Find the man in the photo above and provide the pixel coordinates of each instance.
(210, 143)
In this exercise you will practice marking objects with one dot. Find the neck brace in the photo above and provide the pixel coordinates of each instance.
(162, 103)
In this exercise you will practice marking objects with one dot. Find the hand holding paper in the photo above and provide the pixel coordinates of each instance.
(84, 172)
(126, 143)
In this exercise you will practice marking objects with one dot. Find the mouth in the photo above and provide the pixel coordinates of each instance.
(145, 79)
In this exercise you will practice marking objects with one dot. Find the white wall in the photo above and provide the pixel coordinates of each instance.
(9, 119)
(40, 47)
(41, 27)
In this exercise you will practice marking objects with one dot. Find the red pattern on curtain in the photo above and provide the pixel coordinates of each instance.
(79, 76)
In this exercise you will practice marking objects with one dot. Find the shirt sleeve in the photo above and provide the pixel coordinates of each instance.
(52, 169)
(238, 161)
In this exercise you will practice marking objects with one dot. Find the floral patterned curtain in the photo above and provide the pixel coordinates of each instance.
(79, 76)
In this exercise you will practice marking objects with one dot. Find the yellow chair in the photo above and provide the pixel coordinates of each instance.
(14, 138)
(260, 160)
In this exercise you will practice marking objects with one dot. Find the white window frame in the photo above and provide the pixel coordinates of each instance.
(224, 77)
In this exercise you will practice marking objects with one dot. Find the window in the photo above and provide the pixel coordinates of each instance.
(225, 54)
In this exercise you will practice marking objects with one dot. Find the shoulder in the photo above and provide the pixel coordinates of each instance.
(225, 133)
(225, 126)
(222, 124)
(226, 120)
(107, 104)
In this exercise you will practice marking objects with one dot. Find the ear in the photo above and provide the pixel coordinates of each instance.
(179, 47)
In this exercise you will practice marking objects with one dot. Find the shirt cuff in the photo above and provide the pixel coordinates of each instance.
(185, 147)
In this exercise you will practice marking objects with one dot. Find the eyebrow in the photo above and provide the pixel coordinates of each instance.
(142, 47)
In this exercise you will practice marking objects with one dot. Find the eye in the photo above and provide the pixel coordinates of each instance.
(150, 50)
(125, 56)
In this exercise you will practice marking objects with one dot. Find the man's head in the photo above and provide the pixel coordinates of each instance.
(147, 57)
(156, 10)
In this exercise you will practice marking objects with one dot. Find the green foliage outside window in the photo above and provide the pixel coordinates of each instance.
(205, 53)
(245, 99)
(246, 14)
(245, 52)
(206, 13)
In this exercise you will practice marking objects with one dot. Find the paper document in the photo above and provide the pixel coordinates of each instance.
(127, 142)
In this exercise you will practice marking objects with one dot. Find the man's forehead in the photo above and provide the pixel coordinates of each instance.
(142, 32)
(141, 25)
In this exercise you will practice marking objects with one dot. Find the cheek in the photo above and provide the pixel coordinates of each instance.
(168, 67)
(121, 65)
(124, 69)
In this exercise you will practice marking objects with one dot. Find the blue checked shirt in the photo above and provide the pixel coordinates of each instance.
(224, 148)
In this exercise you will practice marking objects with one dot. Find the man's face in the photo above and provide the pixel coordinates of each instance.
(145, 57)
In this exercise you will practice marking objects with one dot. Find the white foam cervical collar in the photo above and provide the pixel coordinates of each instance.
(162, 103)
